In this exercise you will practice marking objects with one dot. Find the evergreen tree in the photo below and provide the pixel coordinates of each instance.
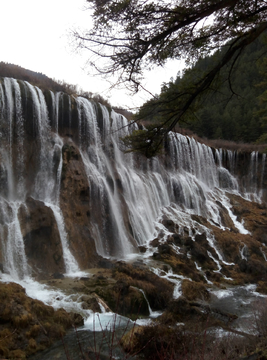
(129, 36)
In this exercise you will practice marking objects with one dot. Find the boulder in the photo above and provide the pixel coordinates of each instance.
(41, 237)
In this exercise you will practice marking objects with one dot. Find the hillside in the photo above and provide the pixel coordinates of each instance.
(45, 83)
(235, 107)
(35, 78)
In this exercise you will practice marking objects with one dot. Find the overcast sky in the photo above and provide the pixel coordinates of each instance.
(34, 35)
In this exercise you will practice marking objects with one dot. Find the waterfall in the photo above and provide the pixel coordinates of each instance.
(15, 262)
(152, 314)
(244, 252)
(128, 195)
(70, 262)
(44, 170)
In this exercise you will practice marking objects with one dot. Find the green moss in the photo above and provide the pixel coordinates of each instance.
(22, 321)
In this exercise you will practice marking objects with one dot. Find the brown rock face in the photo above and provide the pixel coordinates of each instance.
(74, 203)
(41, 237)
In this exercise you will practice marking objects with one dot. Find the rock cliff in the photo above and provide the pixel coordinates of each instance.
(69, 195)
(165, 230)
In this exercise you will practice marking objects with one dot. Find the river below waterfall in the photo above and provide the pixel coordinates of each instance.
(242, 301)
(101, 334)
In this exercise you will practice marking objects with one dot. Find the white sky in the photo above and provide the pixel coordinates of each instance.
(34, 35)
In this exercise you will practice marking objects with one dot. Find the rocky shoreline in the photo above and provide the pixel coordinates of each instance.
(132, 288)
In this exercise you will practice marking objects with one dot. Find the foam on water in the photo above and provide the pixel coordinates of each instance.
(49, 295)
(106, 321)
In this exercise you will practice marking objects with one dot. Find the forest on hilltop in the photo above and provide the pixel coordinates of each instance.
(234, 109)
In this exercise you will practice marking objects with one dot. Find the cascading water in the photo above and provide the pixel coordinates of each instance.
(45, 181)
(128, 195)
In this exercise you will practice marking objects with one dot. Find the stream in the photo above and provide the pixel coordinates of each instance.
(99, 337)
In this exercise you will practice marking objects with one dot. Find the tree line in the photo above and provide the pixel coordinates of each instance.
(234, 108)
(129, 36)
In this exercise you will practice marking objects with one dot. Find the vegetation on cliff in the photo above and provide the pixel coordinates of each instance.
(150, 33)
(234, 109)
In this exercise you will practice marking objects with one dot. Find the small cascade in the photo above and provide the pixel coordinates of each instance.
(173, 278)
(254, 181)
(263, 254)
(203, 273)
(244, 252)
(55, 107)
(239, 225)
(152, 314)
(69, 260)
(212, 242)
(216, 262)
(19, 133)
(261, 185)
(189, 156)
(15, 262)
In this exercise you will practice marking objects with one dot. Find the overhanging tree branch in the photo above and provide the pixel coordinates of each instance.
(130, 35)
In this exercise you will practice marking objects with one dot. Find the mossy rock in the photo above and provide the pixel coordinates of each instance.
(28, 325)
(124, 299)
(158, 291)
(194, 290)
(262, 287)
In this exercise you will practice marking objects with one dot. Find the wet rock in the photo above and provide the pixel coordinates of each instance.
(199, 253)
(201, 238)
(122, 287)
(169, 224)
(74, 203)
(106, 264)
(124, 299)
(90, 302)
(142, 249)
(181, 240)
(158, 291)
(194, 290)
(76, 319)
(58, 276)
(177, 239)
(156, 256)
(243, 265)
(256, 268)
(262, 286)
(179, 311)
(155, 242)
(255, 220)
(164, 249)
(200, 219)
(41, 237)
(186, 230)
